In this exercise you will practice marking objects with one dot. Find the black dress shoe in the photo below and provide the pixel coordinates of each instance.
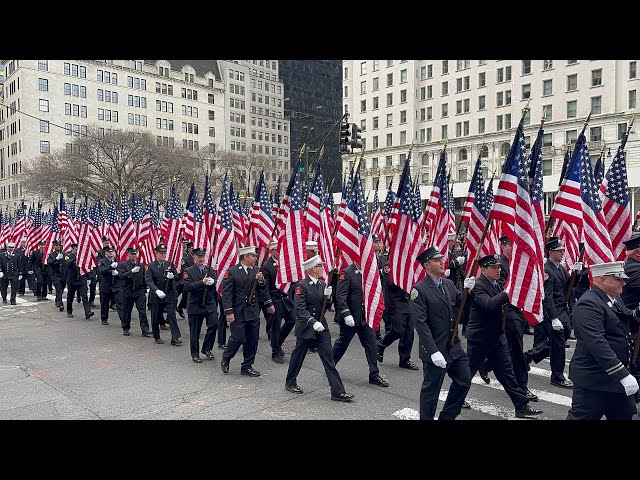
(343, 397)
(313, 349)
(277, 359)
(159, 341)
(530, 396)
(293, 388)
(112, 307)
(527, 411)
(4, 301)
(409, 365)
(69, 315)
(224, 365)
(485, 376)
(13, 302)
(222, 347)
(180, 312)
(250, 372)
(208, 354)
(466, 405)
(104, 322)
(562, 383)
(378, 380)
(89, 315)
(196, 359)
(92, 305)
(78, 300)
(126, 333)
(146, 334)
(176, 341)
(164, 327)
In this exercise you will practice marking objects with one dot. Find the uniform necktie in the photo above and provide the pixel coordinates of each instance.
(162, 264)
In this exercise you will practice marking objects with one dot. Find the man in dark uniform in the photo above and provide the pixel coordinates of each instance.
(76, 283)
(311, 329)
(185, 262)
(243, 313)
(378, 247)
(55, 262)
(457, 261)
(631, 290)
(109, 283)
(396, 302)
(36, 267)
(134, 289)
(485, 337)
(160, 277)
(311, 250)
(21, 252)
(351, 312)
(283, 304)
(555, 314)
(196, 278)
(432, 302)
(12, 270)
(599, 367)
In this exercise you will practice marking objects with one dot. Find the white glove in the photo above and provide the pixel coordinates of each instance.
(1, 274)
(114, 272)
(210, 281)
(438, 360)
(135, 269)
(19, 277)
(544, 260)
(59, 256)
(170, 275)
(447, 272)
(630, 384)
(461, 260)
(30, 272)
(114, 264)
(160, 293)
(88, 283)
(328, 291)
(318, 327)
(556, 324)
(46, 261)
(349, 321)
(470, 283)
(577, 267)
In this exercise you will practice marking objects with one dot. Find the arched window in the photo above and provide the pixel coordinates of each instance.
(462, 155)
(504, 149)
(485, 151)
(425, 159)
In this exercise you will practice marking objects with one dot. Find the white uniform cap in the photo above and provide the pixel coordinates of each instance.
(451, 236)
(615, 269)
(246, 250)
(312, 262)
(273, 245)
(10, 244)
(311, 245)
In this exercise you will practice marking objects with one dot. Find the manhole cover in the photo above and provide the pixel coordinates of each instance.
(288, 346)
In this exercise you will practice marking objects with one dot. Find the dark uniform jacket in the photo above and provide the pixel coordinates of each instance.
(12, 265)
(56, 267)
(107, 280)
(36, 260)
(602, 354)
(72, 271)
(396, 300)
(132, 284)
(631, 290)
(514, 313)
(279, 298)
(582, 285)
(236, 285)
(349, 295)
(156, 279)
(186, 262)
(454, 267)
(308, 302)
(193, 287)
(485, 316)
(554, 304)
(432, 312)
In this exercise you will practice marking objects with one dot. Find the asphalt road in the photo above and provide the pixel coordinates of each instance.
(54, 367)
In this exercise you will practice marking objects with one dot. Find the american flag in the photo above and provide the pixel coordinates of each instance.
(34, 234)
(20, 224)
(525, 284)
(209, 211)
(290, 243)
(477, 221)
(325, 242)
(493, 236)
(377, 219)
(536, 191)
(237, 216)
(187, 220)
(443, 220)
(356, 216)
(128, 229)
(95, 231)
(85, 246)
(283, 209)
(614, 195)
(346, 192)
(315, 201)
(67, 229)
(225, 249)
(171, 226)
(6, 229)
(389, 202)
(261, 221)
(144, 233)
(195, 222)
(598, 170)
(468, 203)
(113, 222)
(434, 202)
(402, 251)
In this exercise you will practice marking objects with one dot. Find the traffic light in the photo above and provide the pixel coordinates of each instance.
(356, 137)
(345, 133)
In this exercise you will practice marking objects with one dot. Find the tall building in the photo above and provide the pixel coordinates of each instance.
(470, 103)
(186, 104)
(312, 90)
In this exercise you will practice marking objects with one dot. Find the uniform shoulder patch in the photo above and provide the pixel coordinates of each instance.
(386, 269)
(185, 274)
(298, 290)
(414, 294)
(226, 274)
(342, 276)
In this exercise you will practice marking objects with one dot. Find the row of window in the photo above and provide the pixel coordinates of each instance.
(275, 139)
(138, 120)
(255, 83)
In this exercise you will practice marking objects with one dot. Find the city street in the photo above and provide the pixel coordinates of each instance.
(54, 367)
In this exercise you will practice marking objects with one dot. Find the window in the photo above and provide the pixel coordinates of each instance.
(595, 134)
(403, 96)
(596, 105)
(403, 76)
(482, 79)
(444, 131)
(548, 111)
(572, 62)
(363, 106)
(375, 122)
(458, 129)
(376, 65)
(572, 108)
(445, 67)
(429, 92)
(596, 77)
(375, 142)
(389, 99)
(363, 124)
(462, 174)
(547, 140)
(423, 73)
(445, 110)
(44, 126)
(374, 162)
(526, 67)
(429, 134)
(43, 105)
(507, 97)
(499, 122)
(504, 75)
(572, 82)
(571, 136)
(389, 63)
(346, 91)
(632, 99)
(403, 137)
(389, 79)
(43, 84)
(429, 113)
(363, 69)
(526, 90)
(445, 88)
(504, 149)
(507, 121)
(458, 107)
(389, 119)
(633, 70)
(376, 84)
(44, 146)
(527, 120)
(363, 87)
(375, 103)
(389, 139)
(429, 71)
(481, 125)
(547, 64)
(547, 87)
(346, 73)
(43, 65)
(499, 99)
(403, 116)
(622, 130)
(481, 102)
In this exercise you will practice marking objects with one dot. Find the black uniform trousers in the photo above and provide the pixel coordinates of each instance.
(367, 337)
(4, 285)
(93, 277)
(245, 334)
(140, 301)
(500, 360)
(279, 330)
(21, 285)
(548, 342)
(458, 371)
(222, 325)
(514, 331)
(195, 326)
(56, 280)
(157, 319)
(42, 279)
(401, 328)
(106, 298)
(323, 343)
(80, 290)
(587, 404)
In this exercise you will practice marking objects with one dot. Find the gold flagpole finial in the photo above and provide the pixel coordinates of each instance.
(604, 145)
(544, 116)
(631, 124)
(304, 145)
(586, 122)
(410, 150)
(321, 154)
(446, 141)
(526, 107)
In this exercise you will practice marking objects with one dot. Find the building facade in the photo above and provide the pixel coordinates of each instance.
(474, 104)
(187, 104)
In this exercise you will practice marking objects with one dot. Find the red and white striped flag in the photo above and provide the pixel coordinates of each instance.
(225, 248)
(128, 229)
(171, 227)
(260, 220)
